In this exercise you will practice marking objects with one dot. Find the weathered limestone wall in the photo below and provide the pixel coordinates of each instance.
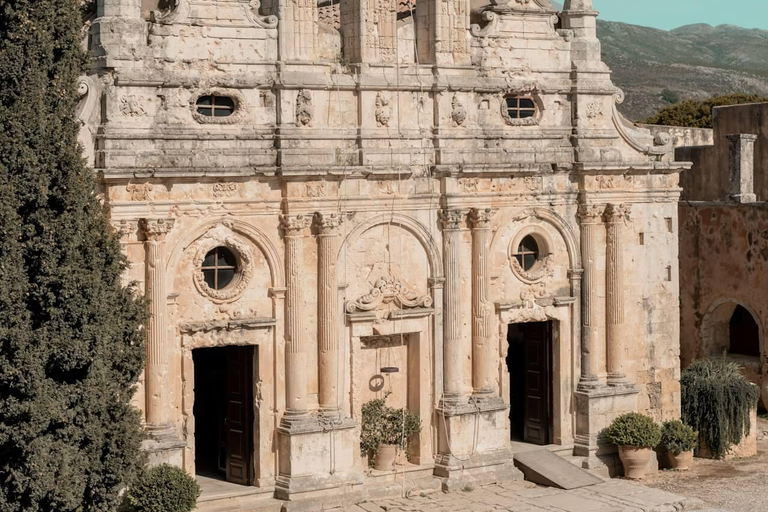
(683, 136)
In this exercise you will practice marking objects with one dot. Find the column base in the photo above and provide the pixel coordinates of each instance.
(318, 467)
(474, 444)
(595, 410)
(163, 446)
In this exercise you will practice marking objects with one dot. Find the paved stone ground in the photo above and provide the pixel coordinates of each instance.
(610, 496)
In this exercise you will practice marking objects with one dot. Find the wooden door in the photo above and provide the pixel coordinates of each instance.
(538, 383)
(239, 414)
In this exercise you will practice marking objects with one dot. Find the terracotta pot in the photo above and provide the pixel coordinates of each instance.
(681, 461)
(385, 457)
(635, 461)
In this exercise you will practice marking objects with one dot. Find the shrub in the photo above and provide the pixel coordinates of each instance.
(696, 113)
(677, 437)
(717, 401)
(164, 488)
(633, 429)
(385, 425)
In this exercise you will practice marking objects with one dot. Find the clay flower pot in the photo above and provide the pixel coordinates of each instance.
(681, 461)
(385, 457)
(635, 460)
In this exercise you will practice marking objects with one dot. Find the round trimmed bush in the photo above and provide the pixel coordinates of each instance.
(633, 429)
(677, 437)
(164, 488)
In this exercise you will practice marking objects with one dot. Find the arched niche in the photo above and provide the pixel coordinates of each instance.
(725, 329)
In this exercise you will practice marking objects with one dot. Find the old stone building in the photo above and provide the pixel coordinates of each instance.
(724, 243)
(436, 199)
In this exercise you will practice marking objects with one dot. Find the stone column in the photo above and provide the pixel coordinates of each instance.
(327, 312)
(615, 215)
(297, 29)
(590, 217)
(455, 353)
(485, 356)
(741, 163)
(370, 30)
(442, 32)
(294, 228)
(156, 369)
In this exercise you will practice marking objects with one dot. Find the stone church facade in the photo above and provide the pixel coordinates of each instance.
(435, 200)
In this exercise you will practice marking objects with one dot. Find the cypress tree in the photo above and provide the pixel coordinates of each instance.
(71, 348)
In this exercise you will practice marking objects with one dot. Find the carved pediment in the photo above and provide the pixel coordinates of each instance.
(387, 290)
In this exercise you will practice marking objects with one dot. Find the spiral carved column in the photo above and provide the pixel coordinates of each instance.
(591, 219)
(327, 311)
(294, 227)
(485, 355)
(615, 215)
(155, 231)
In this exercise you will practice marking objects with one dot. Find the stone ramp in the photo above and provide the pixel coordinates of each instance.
(545, 468)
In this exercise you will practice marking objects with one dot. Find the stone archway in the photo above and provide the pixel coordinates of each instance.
(722, 322)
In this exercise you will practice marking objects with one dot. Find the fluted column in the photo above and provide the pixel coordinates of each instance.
(455, 353)
(327, 311)
(591, 219)
(297, 28)
(156, 369)
(615, 215)
(484, 346)
(294, 228)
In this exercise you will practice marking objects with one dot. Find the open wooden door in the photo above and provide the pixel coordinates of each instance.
(239, 414)
(538, 382)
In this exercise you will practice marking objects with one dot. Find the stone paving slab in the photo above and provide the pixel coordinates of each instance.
(609, 496)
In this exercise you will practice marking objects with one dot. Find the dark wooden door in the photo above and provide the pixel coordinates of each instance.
(239, 414)
(538, 383)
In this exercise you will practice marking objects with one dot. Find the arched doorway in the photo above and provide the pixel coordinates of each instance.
(743, 333)
(730, 328)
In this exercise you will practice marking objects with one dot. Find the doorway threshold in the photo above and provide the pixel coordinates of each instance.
(216, 489)
(521, 447)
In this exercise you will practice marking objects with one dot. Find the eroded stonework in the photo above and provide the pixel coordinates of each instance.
(378, 194)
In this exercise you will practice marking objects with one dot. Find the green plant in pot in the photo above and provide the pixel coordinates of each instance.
(386, 430)
(636, 435)
(678, 440)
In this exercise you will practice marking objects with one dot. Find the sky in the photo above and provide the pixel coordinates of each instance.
(669, 14)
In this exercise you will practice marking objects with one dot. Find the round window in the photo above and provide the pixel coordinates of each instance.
(215, 106)
(219, 268)
(527, 253)
(520, 107)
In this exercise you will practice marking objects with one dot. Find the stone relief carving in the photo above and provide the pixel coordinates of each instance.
(140, 191)
(385, 187)
(251, 9)
(606, 182)
(131, 106)
(543, 270)
(591, 213)
(388, 290)
(452, 219)
(489, 28)
(124, 228)
(221, 190)
(383, 109)
(470, 185)
(532, 183)
(594, 109)
(315, 189)
(380, 28)
(219, 236)
(458, 112)
(304, 109)
(529, 294)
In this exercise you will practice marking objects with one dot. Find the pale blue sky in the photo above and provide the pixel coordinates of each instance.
(669, 14)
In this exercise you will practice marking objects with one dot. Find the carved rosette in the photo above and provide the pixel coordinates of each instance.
(452, 219)
(387, 290)
(243, 273)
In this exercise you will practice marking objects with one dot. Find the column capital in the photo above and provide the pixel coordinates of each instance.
(156, 229)
(328, 223)
(124, 229)
(294, 225)
(480, 218)
(591, 213)
(452, 219)
(617, 213)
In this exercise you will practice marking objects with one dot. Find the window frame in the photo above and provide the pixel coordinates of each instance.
(216, 268)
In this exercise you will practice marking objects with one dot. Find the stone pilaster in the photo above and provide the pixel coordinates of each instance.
(119, 33)
(370, 30)
(615, 215)
(485, 354)
(297, 29)
(443, 36)
(294, 227)
(591, 219)
(741, 163)
(156, 370)
(455, 385)
(327, 312)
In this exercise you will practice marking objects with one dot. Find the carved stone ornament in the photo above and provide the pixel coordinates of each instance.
(542, 270)
(328, 223)
(156, 229)
(124, 228)
(217, 238)
(131, 106)
(221, 190)
(304, 109)
(387, 290)
(617, 213)
(591, 213)
(529, 294)
(481, 218)
(140, 191)
(295, 225)
(452, 219)
(522, 90)
(383, 110)
(594, 109)
(458, 112)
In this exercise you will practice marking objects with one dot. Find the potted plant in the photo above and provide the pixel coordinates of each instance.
(678, 440)
(635, 435)
(386, 430)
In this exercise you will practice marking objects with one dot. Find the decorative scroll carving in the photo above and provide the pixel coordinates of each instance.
(304, 109)
(221, 190)
(251, 9)
(543, 270)
(529, 294)
(387, 290)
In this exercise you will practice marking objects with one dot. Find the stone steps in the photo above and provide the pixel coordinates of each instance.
(251, 503)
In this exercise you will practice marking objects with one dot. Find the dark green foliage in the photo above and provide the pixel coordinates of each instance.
(677, 437)
(164, 488)
(385, 425)
(717, 401)
(698, 114)
(670, 96)
(70, 346)
(633, 429)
